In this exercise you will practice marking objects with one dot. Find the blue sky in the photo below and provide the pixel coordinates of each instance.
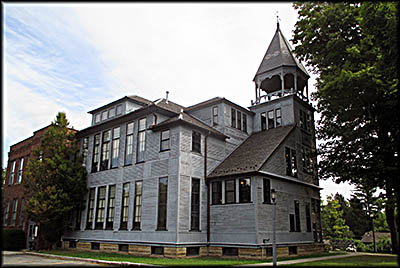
(76, 57)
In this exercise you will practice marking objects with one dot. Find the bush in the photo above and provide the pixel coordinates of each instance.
(360, 246)
(384, 245)
(13, 239)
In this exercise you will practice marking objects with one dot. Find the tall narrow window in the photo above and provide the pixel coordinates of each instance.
(271, 123)
(291, 162)
(119, 109)
(233, 117)
(230, 192)
(294, 163)
(97, 118)
(111, 207)
(196, 139)
(306, 159)
(217, 193)
(297, 215)
(267, 191)
(111, 112)
(20, 168)
(105, 150)
(12, 172)
(291, 223)
(125, 206)
(244, 190)
(137, 219)
(308, 217)
(244, 122)
(6, 213)
(21, 211)
(278, 117)
(141, 144)
(239, 120)
(115, 147)
(164, 142)
(101, 207)
(302, 119)
(90, 215)
(129, 144)
(85, 150)
(104, 115)
(96, 146)
(195, 205)
(14, 211)
(263, 116)
(162, 203)
(308, 121)
(215, 115)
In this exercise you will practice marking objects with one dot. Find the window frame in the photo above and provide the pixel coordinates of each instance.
(141, 140)
(101, 207)
(245, 190)
(111, 112)
(95, 154)
(267, 192)
(233, 118)
(125, 206)
(230, 191)
(90, 212)
(195, 205)
(164, 141)
(104, 115)
(291, 162)
(278, 118)
(263, 117)
(14, 212)
(12, 173)
(239, 120)
(112, 190)
(196, 141)
(128, 159)
(20, 170)
(297, 215)
(115, 143)
(85, 150)
(6, 213)
(216, 194)
(105, 150)
(118, 109)
(97, 118)
(270, 121)
(137, 213)
(244, 123)
(162, 208)
(215, 115)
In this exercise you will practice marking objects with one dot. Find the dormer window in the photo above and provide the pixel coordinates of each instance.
(119, 109)
(97, 118)
(104, 115)
(111, 112)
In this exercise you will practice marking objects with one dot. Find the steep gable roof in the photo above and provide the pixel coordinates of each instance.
(253, 152)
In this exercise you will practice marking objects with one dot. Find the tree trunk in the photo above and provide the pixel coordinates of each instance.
(391, 221)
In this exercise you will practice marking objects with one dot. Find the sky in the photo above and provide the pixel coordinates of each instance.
(77, 57)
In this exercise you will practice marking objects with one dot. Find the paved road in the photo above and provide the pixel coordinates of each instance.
(20, 259)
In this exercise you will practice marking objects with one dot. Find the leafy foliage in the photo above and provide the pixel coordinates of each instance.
(55, 179)
(333, 223)
(353, 48)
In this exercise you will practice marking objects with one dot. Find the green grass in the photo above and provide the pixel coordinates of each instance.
(366, 260)
(153, 260)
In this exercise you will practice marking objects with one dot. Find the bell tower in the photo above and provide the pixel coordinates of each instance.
(280, 73)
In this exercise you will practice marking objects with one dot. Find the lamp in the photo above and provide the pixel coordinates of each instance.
(273, 195)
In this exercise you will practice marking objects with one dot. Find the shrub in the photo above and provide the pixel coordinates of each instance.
(13, 239)
(384, 245)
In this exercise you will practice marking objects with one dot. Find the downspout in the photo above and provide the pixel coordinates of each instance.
(208, 188)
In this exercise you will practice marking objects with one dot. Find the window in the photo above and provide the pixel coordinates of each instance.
(119, 109)
(95, 246)
(85, 150)
(195, 205)
(230, 251)
(244, 190)
(268, 252)
(111, 112)
(97, 118)
(138, 206)
(141, 144)
(216, 193)
(20, 168)
(14, 211)
(292, 250)
(164, 142)
(306, 159)
(90, 209)
(271, 123)
(244, 122)
(267, 191)
(239, 120)
(291, 162)
(305, 120)
(6, 212)
(129, 144)
(111, 207)
(278, 117)
(21, 211)
(196, 137)
(215, 115)
(105, 150)
(125, 206)
(233, 118)
(162, 203)
(96, 146)
(104, 115)
(263, 121)
(115, 147)
(12, 172)
(291, 223)
(297, 215)
(230, 193)
(308, 121)
(157, 250)
(101, 207)
(123, 247)
(308, 217)
(193, 251)
(72, 244)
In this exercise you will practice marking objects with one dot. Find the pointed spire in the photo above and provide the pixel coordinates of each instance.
(277, 19)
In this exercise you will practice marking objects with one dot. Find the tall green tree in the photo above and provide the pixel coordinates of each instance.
(353, 49)
(333, 222)
(55, 180)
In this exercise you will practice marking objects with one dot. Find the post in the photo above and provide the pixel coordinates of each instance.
(373, 232)
(273, 197)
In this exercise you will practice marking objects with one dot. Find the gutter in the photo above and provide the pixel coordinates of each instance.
(208, 187)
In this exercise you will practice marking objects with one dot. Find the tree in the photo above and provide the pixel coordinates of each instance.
(55, 180)
(333, 223)
(353, 49)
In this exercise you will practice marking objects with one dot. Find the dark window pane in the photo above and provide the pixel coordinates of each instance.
(195, 205)
(267, 191)
(263, 121)
(217, 193)
(278, 117)
(233, 117)
(162, 203)
(271, 123)
(196, 142)
(291, 217)
(230, 193)
(244, 122)
(297, 214)
(244, 190)
(239, 120)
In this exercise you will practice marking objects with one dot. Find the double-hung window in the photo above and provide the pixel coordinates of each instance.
(196, 142)
(195, 205)
(215, 115)
(263, 116)
(233, 117)
(297, 215)
(270, 119)
(129, 144)
(104, 115)
(267, 191)
(291, 162)
(111, 207)
(125, 206)
(96, 147)
(164, 140)
(244, 190)
(14, 211)
(111, 112)
(12, 172)
(230, 191)
(308, 217)
(90, 214)
(278, 117)
(239, 120)
(141, 144)
(244, 122)
(216, 192)
(119, 109)
(105, 150)
(137, 216)
(21, 211)
(6, 213)
(101, 207)
(115, 147)
(20, 169)
(85, 150)
(162, 203)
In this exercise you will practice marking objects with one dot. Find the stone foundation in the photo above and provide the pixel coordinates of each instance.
(211, 251)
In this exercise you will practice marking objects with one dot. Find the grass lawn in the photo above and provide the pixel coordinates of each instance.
(366, 260)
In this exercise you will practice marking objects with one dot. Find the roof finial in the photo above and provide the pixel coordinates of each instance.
(277, 19)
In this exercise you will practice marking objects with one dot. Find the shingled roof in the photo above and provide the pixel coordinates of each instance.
(251, 155)
(279, 53)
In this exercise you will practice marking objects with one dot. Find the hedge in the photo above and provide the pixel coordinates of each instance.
(13, 239)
